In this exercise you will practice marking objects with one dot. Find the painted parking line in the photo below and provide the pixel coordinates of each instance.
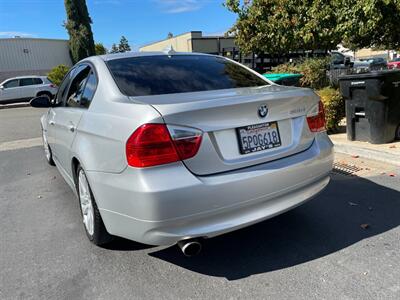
(20, 144)
(14, 105)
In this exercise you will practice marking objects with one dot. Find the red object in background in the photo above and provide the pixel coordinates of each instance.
(394, 64)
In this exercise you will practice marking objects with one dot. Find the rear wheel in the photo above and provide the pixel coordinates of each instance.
(91, 218)
(45, 94)
(47, 150)
(397, 136)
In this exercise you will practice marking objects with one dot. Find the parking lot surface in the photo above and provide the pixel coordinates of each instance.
(344, 244)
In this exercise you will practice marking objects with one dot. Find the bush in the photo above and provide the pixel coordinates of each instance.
(312, 69)
(57, 74)
(334, 107)
(315, 77)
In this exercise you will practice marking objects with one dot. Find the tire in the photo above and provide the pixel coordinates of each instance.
(397, 135)
(47, 150)
(45, 94)
(92, 221)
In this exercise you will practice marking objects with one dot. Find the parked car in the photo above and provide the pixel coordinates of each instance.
(349, 64)
(375, 63)
(166, 148)
(394, 64)
(340, 61)
(23, 89)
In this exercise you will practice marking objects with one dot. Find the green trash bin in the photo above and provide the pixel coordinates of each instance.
(290, 79)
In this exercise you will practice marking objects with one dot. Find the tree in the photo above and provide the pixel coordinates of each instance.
(114, 49)
(170, 35)
(100, 49)
(57, 74)
(123, 45)
(281, 26)
(369, 23)
(78, 22)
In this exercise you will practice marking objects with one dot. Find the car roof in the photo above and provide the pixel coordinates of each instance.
(108, 57)
(26, 76)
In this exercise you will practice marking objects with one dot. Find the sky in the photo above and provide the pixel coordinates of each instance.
(140, 21)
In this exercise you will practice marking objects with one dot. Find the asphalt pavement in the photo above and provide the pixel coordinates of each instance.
(344, 244)
(20, 123)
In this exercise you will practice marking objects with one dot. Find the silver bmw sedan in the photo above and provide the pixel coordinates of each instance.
(166, 148)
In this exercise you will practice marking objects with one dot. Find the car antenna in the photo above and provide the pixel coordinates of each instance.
(169, 50)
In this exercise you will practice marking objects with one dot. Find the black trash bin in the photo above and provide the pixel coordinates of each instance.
(372, 105)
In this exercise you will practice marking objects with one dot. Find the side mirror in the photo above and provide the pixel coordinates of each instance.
(41, 101)
(1, 87)
(347, 61)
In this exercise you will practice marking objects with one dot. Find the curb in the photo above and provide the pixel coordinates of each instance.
(367, 153)
(14, 105)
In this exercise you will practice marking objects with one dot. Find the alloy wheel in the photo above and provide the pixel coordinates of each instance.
(85, 201)
(46, 147)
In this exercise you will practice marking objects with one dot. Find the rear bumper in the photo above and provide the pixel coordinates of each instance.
(160, 206)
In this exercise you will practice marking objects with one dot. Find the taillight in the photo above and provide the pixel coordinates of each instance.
(157, 144)
(316, 118)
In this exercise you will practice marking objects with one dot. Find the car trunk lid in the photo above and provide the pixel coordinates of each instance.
(219, 113)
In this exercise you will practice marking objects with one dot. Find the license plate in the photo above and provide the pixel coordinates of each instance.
(259, 137)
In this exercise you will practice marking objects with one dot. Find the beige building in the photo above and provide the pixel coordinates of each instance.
(31, 56)
(367, 52)
(194, 41)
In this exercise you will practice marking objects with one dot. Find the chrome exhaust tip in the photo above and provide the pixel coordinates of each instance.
(190, 247)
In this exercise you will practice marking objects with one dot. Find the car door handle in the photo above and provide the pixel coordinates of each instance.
(52, 123)
(71, 128)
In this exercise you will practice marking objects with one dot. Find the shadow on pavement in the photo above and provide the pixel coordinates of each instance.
(320, 227)
(121, 244)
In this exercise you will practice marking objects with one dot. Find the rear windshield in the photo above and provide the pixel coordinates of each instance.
(156, 75)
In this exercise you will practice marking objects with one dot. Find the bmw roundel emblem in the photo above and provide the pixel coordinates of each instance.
(263, 111)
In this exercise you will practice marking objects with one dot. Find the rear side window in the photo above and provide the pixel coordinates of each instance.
(156, 75)
(25, 81)
(89, 90)
(37, 81)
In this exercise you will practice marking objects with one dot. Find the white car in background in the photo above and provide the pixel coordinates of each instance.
(24, 88)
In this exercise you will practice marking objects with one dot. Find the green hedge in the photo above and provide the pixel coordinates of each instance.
(315, 77)
(312, 69)
(57, 74)
(334, 107)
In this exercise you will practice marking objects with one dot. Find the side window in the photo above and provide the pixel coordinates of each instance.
(77, 86)
(37, 81)
(11, 84)
(64, 86)
(337, 59)
(25, 81)
(89, 90)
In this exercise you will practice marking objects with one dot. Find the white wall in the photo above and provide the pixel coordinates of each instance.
(28, 54)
